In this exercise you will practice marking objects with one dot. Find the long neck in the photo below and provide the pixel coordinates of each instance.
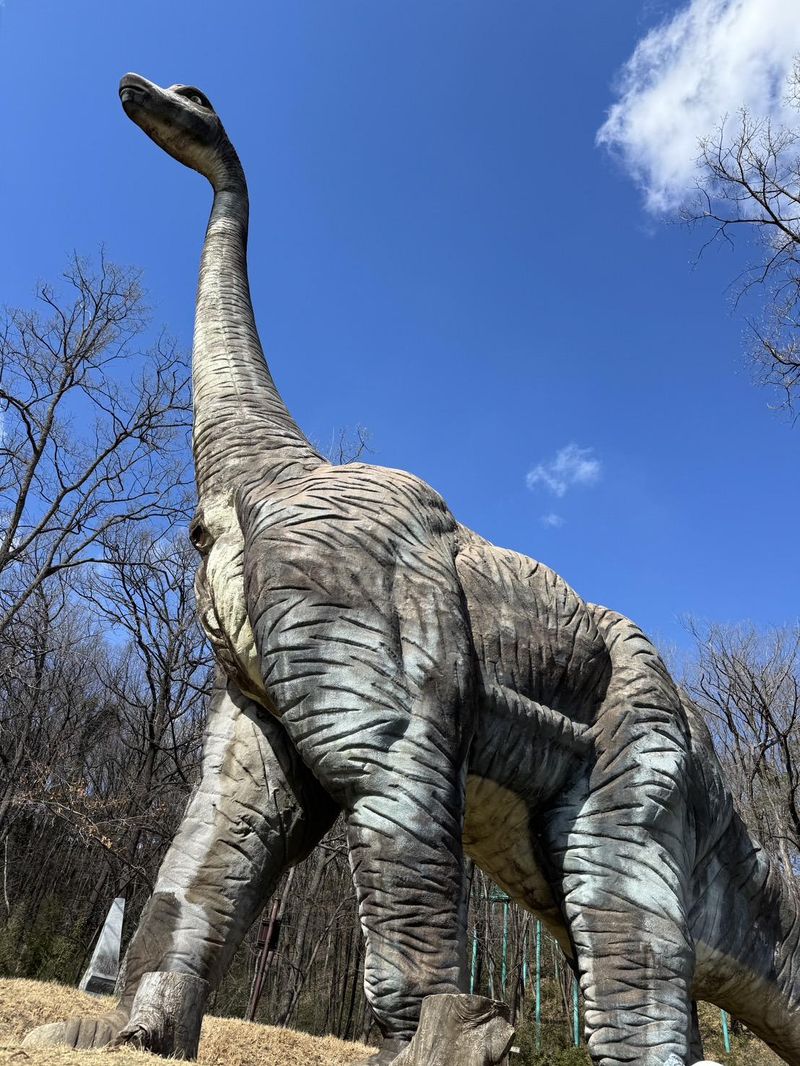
(241, 423)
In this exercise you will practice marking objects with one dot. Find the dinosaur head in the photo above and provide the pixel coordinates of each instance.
(180, 120)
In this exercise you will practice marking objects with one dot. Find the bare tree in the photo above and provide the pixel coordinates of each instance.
(157, 679)
(93, 453)
(747, 683)
(101, 717)
(49, 701)
(751, 179)
(92, 428)
(348, 445)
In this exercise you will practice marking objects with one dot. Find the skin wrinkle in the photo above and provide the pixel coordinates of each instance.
(472, 700)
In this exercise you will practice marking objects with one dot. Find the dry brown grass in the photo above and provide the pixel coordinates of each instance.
(746, 1050)
(232, 1042)
(224, 1041)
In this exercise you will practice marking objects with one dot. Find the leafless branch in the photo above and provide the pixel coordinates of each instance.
(750, 178)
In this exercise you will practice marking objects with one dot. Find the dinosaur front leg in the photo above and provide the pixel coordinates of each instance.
(384, 724)
(404, 814)
(401, 783)
(404, 832)
(256, 811)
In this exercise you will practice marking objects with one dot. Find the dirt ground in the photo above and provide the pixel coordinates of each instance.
(224, 1041)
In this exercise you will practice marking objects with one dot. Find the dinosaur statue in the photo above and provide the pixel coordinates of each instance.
(377, 658)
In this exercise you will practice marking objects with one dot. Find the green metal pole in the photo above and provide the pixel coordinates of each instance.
(474, 967)
(538, 985)
(726, 1036)
(576, 1014)
(504, 968)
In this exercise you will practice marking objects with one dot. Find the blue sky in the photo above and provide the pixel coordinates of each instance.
(440, 251)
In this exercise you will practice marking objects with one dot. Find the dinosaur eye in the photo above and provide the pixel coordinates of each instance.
(188, 92)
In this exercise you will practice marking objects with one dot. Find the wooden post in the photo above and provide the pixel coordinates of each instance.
(459, 1029)
(166, 1015)
(269, 947)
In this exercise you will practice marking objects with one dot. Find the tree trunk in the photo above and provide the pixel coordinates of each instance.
(166, 1015)
(459, 1031)
(344, 1030)
(302, 964)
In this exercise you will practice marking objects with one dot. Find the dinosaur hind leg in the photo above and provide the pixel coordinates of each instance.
(621, 837)
(635, 960)
(747, 933)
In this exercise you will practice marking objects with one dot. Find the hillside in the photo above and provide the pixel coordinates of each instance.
(224, 1041)
(233, 1042)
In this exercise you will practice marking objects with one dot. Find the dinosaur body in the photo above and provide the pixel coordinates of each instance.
(378, 659)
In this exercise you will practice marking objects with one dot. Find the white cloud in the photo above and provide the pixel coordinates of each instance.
(552, 520)
(570, 466)
(711, 59)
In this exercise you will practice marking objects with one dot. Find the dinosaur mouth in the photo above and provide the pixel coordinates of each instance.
(129, 94)
(133, 89)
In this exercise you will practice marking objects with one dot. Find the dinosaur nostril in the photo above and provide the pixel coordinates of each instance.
(199, 536)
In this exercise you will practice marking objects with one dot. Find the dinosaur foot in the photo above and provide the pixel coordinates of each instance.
(88, 1031)
(166, 1015)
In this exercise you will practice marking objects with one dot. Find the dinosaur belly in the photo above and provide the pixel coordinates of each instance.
(498, 836)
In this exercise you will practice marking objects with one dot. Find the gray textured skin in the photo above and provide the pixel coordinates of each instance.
(378, 658)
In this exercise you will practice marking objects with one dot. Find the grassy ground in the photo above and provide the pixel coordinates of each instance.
(224, 1041)
(232, 1042)
(746, 1050)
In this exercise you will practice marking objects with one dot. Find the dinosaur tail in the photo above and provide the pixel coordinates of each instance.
(745, 920)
